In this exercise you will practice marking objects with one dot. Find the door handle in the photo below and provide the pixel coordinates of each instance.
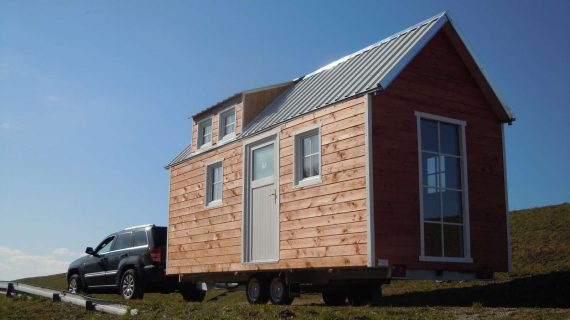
(274, 195)
(124, 255)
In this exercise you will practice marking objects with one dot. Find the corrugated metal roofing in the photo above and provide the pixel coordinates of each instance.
(352, 75)
(367, 70)
(183, 155)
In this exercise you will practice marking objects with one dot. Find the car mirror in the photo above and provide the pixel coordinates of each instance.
(90, 251)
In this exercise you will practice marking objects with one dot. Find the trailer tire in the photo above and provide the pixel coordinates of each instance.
(279, 292)
(375, 297)
(359, 296)
(334, 297)
(257, 290)
(192, 294)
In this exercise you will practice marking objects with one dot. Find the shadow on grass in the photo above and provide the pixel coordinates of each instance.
(550, 290)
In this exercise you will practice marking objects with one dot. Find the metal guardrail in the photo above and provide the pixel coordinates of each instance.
(13, 288)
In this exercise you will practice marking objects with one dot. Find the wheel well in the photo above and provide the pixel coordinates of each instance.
(71, 273)
(123, 270)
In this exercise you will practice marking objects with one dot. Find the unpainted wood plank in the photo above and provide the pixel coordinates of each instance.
(224, 234)
(320, 252)
(339, 229)
(323, 189)
(316, 242)
(335, 208)
(325, 220)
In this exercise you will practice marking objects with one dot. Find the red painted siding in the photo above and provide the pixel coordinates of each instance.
(436, 82)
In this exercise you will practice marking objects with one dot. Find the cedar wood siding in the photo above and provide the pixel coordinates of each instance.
(321, 225)
(436, 82)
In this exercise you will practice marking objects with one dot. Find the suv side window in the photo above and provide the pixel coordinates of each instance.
(140, 238)
(123, 241)
(105, 246)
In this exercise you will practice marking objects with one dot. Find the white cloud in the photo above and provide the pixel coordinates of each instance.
(52, 98)
(9, 252)
(4, 125)
(16, 264)
(64, 252)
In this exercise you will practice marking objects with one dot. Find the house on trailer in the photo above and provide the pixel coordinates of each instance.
(390, 159)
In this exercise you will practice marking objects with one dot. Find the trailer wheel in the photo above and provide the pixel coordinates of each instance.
(192, 294)
(334, 297)
(359, 296)
(279, 292)
(257, 290)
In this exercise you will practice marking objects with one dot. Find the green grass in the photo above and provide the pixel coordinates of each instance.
(538, 288)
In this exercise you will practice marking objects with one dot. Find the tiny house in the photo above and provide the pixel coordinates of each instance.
(386, 164)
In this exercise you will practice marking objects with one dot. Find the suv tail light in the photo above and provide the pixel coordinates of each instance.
(155, 254)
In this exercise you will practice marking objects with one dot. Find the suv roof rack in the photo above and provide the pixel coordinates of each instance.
(142, 225)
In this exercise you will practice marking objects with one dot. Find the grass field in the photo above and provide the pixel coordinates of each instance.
(538, 288)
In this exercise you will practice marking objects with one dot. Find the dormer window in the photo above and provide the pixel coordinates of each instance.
(205, 133)
(227, 123)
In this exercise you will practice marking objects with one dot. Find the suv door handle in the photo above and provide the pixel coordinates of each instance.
(124, 255)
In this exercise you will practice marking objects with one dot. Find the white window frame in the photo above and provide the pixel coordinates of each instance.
(208, 201)
(298, 136)
(199, 137)
(463, 149)
(222, 125)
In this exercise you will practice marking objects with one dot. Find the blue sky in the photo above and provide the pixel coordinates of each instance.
(95, 98)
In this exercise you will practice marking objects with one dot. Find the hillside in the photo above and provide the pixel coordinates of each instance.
(537, 286)
(541, 239)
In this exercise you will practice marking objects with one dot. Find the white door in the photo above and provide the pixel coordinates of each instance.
(263, 215)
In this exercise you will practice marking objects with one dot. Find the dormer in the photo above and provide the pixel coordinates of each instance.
(225, 120)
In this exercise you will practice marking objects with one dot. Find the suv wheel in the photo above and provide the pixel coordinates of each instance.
(74, 284)
(131, 286)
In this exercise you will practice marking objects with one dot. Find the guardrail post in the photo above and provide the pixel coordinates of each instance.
(56, 297)
(89, 305)
(10, 290)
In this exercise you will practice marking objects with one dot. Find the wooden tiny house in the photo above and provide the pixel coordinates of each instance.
(388, 163)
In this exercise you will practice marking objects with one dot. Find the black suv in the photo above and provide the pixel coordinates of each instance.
(131, 260)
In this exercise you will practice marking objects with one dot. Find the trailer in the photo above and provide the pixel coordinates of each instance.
(385, 164)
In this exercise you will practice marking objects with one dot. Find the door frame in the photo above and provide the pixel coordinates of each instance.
(272, 135)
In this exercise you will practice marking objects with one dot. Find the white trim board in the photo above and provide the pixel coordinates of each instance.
(464, 187)
(272, 135)
(508, 225)
(369, 180)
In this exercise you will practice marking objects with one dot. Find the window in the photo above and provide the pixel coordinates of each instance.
(443, 188)
(262, 162)
(227, 123)
(123, 241)
(205, 133)
(140, 238)
(105, 246)
(307, 157)
(214, 184)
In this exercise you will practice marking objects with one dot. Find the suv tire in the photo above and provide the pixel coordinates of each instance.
(131, 286)
(74, 284)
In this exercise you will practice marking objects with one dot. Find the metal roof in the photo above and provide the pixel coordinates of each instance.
(366, 70)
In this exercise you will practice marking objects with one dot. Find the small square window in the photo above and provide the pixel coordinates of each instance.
(308, 157)
(204, 133)
(227, 123)
(214, 184)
